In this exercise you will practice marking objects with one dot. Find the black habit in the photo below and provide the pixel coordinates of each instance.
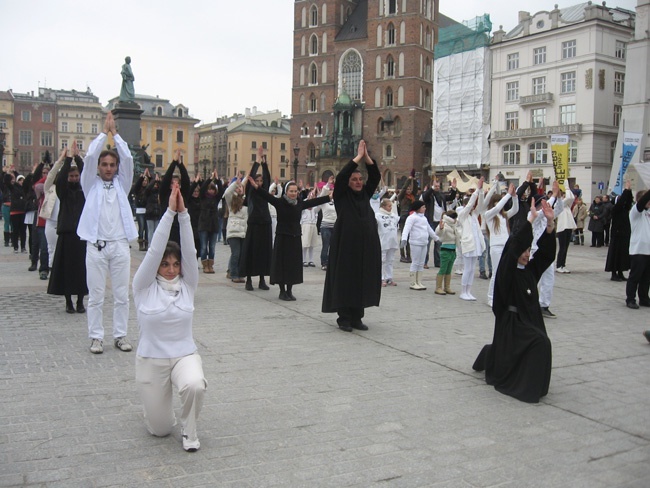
(353, 279)
(286, 264)
(68, 276)
(518, 362)
(256, 250)
(618, 253)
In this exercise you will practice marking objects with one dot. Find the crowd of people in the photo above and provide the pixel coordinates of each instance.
(77, 218)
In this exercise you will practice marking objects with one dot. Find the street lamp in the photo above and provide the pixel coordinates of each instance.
(296, 152)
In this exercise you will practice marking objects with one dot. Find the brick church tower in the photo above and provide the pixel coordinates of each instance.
(362, 69)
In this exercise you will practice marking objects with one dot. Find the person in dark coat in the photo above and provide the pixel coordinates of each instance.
(353, 279)
(286, 262)
(170, 180)
(618, 253)
(68, 276)
(210, 194)
(193, 206)
(597, 222)
(526, 194)
(518, 362)
(139, 197)
(608, 208)
(258, 243)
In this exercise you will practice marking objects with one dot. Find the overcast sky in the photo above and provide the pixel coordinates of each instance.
(216, 57)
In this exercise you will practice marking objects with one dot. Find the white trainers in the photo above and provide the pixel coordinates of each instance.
(566, 270)
(96, 346)
(188, 445)
(122, 344)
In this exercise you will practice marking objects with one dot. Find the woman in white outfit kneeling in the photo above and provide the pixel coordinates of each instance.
(163, 291)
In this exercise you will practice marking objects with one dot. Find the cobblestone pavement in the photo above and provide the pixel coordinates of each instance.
(294, 401)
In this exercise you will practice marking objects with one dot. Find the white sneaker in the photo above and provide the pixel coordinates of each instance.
(559, 270)
(565, 270)
(96, 346)
(188, 445)
(489, 303)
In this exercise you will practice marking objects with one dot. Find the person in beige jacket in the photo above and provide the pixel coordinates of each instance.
(579, 215)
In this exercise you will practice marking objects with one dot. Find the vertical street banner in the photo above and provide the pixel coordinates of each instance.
(631, 141)
(560, 156)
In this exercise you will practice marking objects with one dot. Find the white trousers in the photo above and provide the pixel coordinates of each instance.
(495, 255)
(387, 258)
(545, 286)
(469, 269)
(51, 237)
(114, 259)
(155, 379)
(418, 255)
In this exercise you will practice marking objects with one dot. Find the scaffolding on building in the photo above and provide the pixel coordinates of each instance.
(461, 112)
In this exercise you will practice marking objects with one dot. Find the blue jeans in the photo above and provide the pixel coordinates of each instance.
(235, 252)
(208, 241)
(39, 251)
(325, 235)
(481, 258)
(142, 227)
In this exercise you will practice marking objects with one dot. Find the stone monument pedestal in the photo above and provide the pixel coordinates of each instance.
(127, 119)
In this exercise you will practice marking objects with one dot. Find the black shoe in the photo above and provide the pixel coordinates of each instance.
(359, 326)
(622, 277)
(249, 286)
(80, 307)
(344, 325)
(283, 296)
(616, 278)
(263, 285)
(547, 313)
(32, 268)
(632, 305)
(311, 264)
(69, 308)
(43, 275)
(644, 303)
(483, 276)
(291, 297)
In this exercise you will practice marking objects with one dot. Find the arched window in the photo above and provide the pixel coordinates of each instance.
(400, 96)
(351, 74)
(313, 16)
(313, 107)
(538, 153)
(302, 103)
(389, 151)
(389, 97)
(380, 125)
(427, 99)
(313, 44)
(323, 99)
(302, 74)
(427, 39)
(302, 46)
(311, 150)
(390, 34)
(323, 71)
(388, 177)
(390, 67)
(511, 154)
(427, 69)
(159, 111)
(304, 130)
(313, 74)
(318, 130)
(180, 112)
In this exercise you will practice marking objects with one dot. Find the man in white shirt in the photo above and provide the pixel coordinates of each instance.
(107, 226)
(639, 280)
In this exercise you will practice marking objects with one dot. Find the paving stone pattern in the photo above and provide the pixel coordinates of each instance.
(294, 401)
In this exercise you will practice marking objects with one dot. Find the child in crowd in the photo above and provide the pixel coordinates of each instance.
(387, 226)
(449, 236)
(417, 232)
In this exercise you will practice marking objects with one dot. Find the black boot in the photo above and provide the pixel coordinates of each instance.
(249, 284)
(289, 294)
(615, 277)
(68, 304)
(80, 304)
(283, 294)
(7, 239)
(622, 276)
(263, 285)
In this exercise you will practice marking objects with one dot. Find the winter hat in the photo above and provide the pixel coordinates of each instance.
(20, 177)
(416, 205)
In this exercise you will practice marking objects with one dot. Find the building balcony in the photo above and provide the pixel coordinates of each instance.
(541, 98)
(572, 129)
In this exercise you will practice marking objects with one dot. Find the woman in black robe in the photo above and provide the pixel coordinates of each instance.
(286, 264)
(518, 362)
(618, 253)
(256, 250)
(68, 276)
(353, 279)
